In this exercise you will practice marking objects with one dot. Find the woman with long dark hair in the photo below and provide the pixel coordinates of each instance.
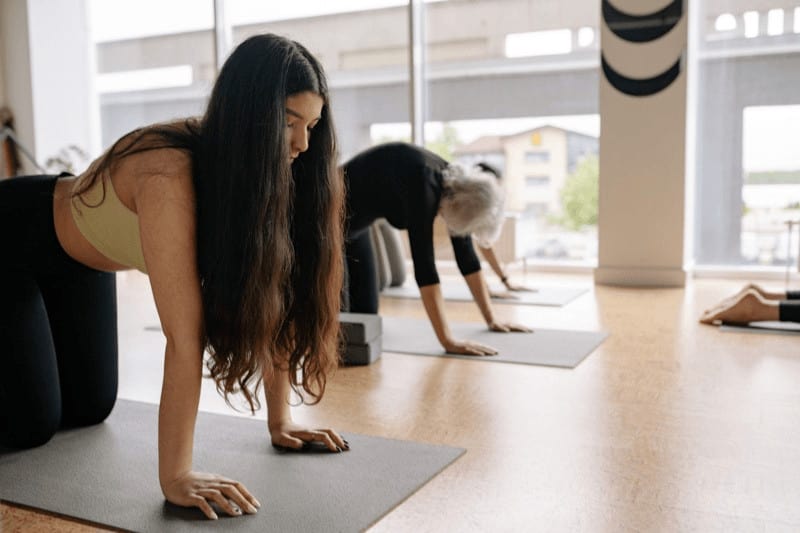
(237, 219)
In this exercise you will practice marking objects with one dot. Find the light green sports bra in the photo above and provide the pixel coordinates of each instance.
(108, 225)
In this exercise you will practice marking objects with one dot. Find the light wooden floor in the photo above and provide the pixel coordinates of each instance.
(668, 426)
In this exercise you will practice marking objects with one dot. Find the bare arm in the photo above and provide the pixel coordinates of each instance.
(283, 431)
(488, 254)
(491, 258)
(175, 285)
(480, 293)
(477, 286)
(167, 201)
(434, 306)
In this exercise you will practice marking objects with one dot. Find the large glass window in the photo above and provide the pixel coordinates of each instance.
(514, 83)
(363, 46)
(748, 117)
(150, 68)
(771, 184)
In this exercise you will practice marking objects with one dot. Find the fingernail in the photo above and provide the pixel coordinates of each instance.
(338, 449)
(214, 517)
(258, 503)
(346, 446)
(252, 508)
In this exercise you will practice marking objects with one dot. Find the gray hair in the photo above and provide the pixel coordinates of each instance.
(472, 203)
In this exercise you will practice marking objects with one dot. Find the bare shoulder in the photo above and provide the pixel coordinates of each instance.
(166, 162)
(164, 174)
(152, 165)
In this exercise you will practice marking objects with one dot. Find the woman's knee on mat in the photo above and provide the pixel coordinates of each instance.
(28, 429)
(88, 411)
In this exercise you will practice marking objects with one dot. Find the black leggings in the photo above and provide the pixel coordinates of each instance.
(361, 277)
(58, 324)
(789, 309)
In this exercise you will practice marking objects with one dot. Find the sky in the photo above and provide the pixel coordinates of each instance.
(771, 138)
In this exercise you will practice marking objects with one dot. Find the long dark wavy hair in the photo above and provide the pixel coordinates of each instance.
(269, 231)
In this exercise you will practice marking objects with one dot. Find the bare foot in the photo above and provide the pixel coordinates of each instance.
(767, 295)
(747, 306)
(730, 300)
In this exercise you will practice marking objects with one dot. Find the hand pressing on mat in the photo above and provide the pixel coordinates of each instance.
(504, 295)
(198, 489)
(288, 435)
(514, 287)
(489, 255)
(282, 429)
(468, 348)
(504, 327)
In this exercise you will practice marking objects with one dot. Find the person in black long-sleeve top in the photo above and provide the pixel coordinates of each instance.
(409, 186)
(755, 304)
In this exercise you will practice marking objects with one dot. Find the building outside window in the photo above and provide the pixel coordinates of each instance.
(508, 78)
(533, 182)
(748, 126)
(537, 157)
(544, 63)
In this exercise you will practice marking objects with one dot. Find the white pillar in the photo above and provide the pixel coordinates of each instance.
(641, 226)
(15, 62)
(47, 72)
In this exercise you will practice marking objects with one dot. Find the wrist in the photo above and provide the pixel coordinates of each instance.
(167, 479)
(278, 422)
(273, 425)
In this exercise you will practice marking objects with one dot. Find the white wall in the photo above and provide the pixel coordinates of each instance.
(60, 75)
(46, 70)
(641, 226)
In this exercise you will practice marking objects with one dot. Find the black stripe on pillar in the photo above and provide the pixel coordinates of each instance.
(641, 86)
(642, 28)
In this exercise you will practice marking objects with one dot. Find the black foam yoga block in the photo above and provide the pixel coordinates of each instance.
(361, 328)
(363, 354)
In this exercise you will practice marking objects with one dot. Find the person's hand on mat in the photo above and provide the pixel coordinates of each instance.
(505, 295)
(504, 327)
(468, 348)
(513, 287)
(287, 434)
(198, 489)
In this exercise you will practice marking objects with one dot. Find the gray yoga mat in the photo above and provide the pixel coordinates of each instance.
(549, 347)
(108, 474)
(458, 292)
(773, 327)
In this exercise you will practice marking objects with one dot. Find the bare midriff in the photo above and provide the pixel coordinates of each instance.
(70, 238)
